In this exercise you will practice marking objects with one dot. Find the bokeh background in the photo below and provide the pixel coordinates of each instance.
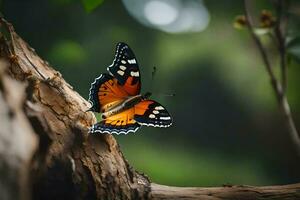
(227, 128)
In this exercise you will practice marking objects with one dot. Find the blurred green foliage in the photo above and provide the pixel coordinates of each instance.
(227, 128)
(90, 5)
(196, 167)
(67, 52)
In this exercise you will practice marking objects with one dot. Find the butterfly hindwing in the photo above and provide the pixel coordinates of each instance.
(151, 113)
(105, 92)
(126, 70)
(121, 123)
(102, 127)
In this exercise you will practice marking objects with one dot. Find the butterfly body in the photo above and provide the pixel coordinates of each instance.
(117, 96)
(125, 105)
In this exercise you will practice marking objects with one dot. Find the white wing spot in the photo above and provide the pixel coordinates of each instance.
(132, 61)
(123, 61)
(151, 116)
(136, 74)
(122, 67)
(165, 118)
(120, 72)
(159, 108)
(155, 112)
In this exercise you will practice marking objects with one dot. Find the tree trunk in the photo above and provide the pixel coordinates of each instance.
(47, 153)
(69, 163)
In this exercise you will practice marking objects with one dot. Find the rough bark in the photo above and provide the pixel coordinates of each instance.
(69, 163)
(17, 139)
(49, 153)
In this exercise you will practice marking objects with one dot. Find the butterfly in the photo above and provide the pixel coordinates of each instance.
(116, 95)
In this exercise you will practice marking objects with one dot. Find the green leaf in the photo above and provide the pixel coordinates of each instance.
(90, 5)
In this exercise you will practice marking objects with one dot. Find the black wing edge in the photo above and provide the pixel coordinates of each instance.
(101, 127)
(162, 119)
(93, 95)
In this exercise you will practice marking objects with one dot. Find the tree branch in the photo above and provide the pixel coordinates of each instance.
(281, 43)
(286, 192)
(277, 86)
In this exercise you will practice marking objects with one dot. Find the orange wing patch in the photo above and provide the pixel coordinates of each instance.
(122, 119)
(130, 88)
(106, 92)
(141, 107)
(121, 123)
(111, 94)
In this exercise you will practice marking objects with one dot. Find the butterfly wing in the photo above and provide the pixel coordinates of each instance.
(110, 90)
(151, 113)
(121, 123)
(106, 92)
(126, 70)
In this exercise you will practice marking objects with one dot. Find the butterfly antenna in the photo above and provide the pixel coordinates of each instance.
(168, 95)
(153, 73)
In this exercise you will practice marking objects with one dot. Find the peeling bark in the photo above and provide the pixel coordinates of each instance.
(47, 153)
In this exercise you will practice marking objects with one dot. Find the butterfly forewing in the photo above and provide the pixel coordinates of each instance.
(151, 113)
(126, 70)
(106, 92)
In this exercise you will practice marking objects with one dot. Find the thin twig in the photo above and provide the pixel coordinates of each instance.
(261, 50)
(281, 44)
(277, 86)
